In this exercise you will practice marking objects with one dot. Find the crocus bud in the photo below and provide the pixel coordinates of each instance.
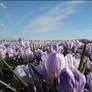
(69, 60)
(30, 54)
(23, 72)
(72, 61)
(55, 64)
(42, 66)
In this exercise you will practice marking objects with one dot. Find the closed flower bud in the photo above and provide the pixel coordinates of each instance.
(55, 64)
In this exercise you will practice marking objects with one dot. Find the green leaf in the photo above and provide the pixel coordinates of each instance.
(82, 57)
(84, 68)
(5, 84)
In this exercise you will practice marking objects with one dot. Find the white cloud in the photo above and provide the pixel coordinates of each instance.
(53, 18)
(2, 25)
(45, 24)
(2, 5)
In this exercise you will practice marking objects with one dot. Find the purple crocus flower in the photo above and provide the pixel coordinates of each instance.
(23, 72)
(89, 48)
(66, 81)
(3, 52)
(54, 65)
(89, 80)
(7, 44)
(72, 44)
(11, 52)
(72, 61)
(42, 66)
(85, 90)
(69, 60)
(22, 44)
(71, 80)
(38, 53)
(89, 65)
(76, 44)
(56, 48)
(80, 80)
(28, 52)
(45, 48)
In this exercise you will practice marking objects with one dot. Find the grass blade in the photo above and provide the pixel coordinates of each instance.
(5, 84)
(82, 57)
(84, 68)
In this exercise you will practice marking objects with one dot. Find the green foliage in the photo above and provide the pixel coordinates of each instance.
(82, 57)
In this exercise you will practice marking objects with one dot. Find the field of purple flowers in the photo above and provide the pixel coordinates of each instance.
(46, 66)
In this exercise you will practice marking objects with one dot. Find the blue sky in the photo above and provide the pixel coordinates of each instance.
(45, 20)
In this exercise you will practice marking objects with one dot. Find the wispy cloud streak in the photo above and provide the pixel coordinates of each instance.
(2, 5)
(53, 18)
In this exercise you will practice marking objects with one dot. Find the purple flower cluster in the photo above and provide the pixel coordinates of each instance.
(56, 65)
(72, 44)
(62, 69)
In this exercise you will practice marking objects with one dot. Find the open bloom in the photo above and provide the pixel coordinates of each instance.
(28, 52)
(74, 45)
(56, 48)
(11, 52)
